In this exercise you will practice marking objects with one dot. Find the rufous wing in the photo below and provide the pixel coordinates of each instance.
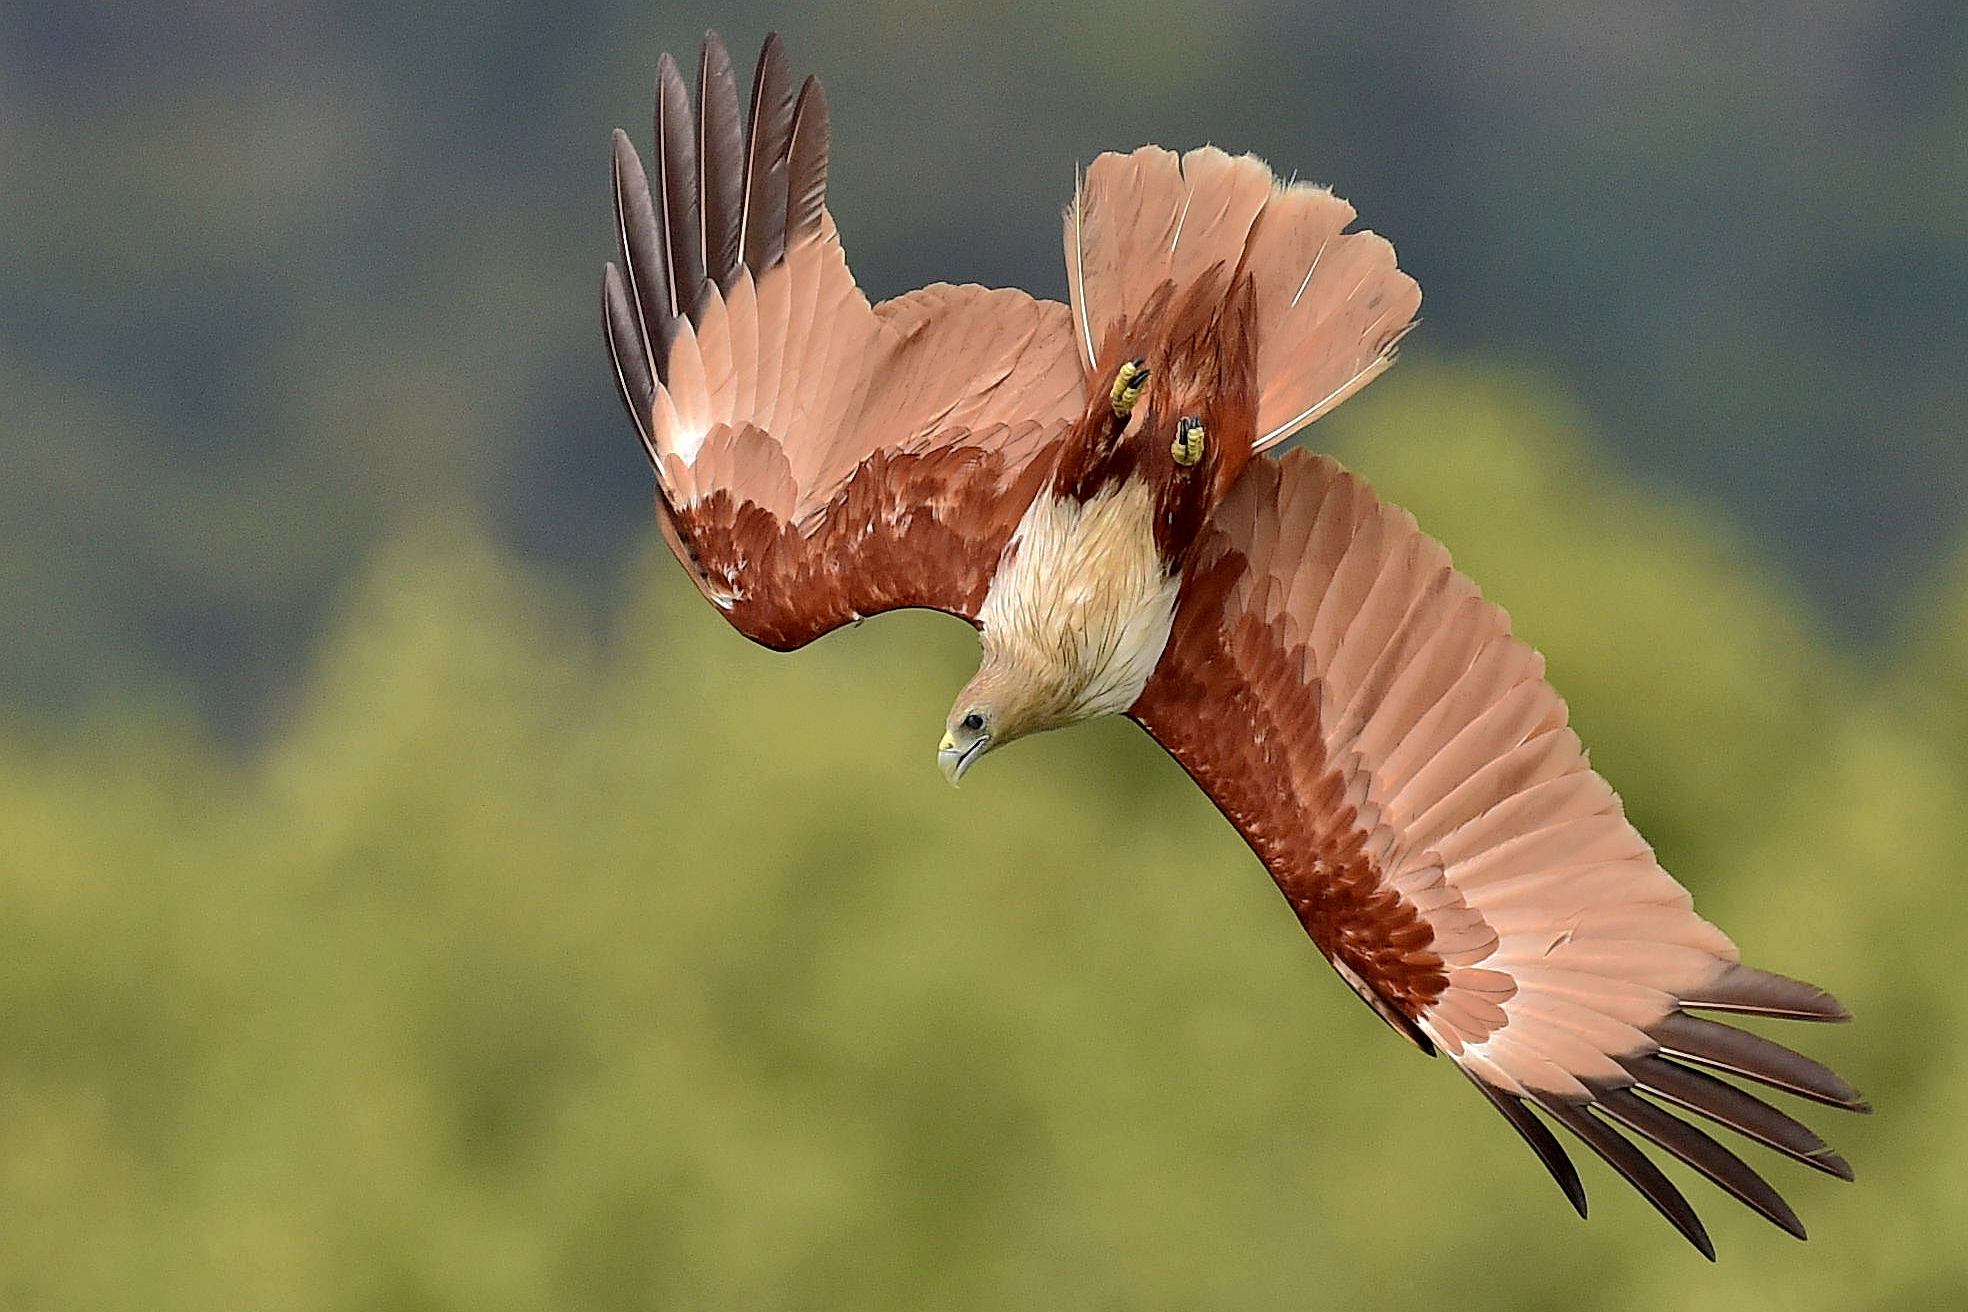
(818, 459)
(1397, 760)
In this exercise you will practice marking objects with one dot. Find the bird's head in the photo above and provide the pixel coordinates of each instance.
(966, 736)
(1000, 705)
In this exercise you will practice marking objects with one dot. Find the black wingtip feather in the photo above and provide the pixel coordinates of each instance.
(1755, 992)
(1544, 1143)
(1754, 1057)
(1698, 1150)
(627, 351)
(806, 171)
(676, 144)
(720, 144)
(770, 136)
(1739, 1110)
(1630, 1162)
(643, 266)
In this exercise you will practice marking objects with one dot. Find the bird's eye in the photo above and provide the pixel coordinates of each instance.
(972, 722)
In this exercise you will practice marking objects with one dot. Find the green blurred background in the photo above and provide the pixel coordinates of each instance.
(413, 897)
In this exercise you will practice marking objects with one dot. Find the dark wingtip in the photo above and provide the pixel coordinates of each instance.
(627, 351)
(720, 145)
(806, 165)
(1534, 1133)
(1695, 1090)
(1688, 1143)
(1832, 1164)
(1752, 1056)
(769, 135)
(1754, 992)
(640, 244)
(1634, 1165)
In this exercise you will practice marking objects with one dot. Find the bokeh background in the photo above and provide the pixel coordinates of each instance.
(412, 897)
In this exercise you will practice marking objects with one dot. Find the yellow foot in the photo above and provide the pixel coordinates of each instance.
(1128, 382)
(1188, 446)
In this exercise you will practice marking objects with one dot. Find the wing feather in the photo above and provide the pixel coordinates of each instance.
(767, 158)
(819, 459)
(634, 379)
(775, 314)
(1399, 764)
(806, 162)
(649, 316)
(1630, 1162)
(1725, 1104)
(720, 134)
(1541, 1140)
(1698, 1150)
(741, 309)
(682, 227)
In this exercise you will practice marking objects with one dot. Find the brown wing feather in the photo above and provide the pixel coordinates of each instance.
(1398, 762)
(720, 133)
(818, 459)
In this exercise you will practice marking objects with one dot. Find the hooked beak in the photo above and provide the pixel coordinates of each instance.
(953, 762)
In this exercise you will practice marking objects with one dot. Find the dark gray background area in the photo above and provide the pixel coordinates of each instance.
(278, 277)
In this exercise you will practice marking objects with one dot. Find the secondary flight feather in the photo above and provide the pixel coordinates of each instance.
(1087, 485)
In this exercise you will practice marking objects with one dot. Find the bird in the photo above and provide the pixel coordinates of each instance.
(1093, 486)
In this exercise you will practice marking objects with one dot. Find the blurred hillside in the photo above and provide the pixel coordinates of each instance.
(279, 277)
(541, 968)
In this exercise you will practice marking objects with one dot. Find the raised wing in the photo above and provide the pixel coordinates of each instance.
(1400, 765)
(1330, 303)
(818, 459)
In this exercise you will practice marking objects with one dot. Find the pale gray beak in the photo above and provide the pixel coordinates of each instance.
(953, 761)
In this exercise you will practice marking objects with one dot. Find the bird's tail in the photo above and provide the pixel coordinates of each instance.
(1330, 304)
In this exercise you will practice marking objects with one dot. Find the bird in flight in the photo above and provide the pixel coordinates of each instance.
(1088, 484)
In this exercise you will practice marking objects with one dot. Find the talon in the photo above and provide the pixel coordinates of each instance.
(1188, 445)
(1128, 382)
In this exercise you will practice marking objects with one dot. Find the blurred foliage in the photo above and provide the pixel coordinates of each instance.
(275, 274)
(538, 963)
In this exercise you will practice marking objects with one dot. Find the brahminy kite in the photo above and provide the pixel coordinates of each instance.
(1087, 485)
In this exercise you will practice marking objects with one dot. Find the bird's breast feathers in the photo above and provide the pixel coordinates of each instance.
(1083, 597)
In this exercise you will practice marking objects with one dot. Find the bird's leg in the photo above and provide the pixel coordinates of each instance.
(1188, 445)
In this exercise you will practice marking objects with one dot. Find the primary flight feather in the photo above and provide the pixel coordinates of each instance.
(1084, 483)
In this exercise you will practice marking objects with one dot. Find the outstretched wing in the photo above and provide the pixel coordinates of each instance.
(1400, 765)
(818, 459)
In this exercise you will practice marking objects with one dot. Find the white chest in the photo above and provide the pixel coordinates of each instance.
(1083, 599)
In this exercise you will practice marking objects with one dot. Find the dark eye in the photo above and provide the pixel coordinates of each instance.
(972, 722)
